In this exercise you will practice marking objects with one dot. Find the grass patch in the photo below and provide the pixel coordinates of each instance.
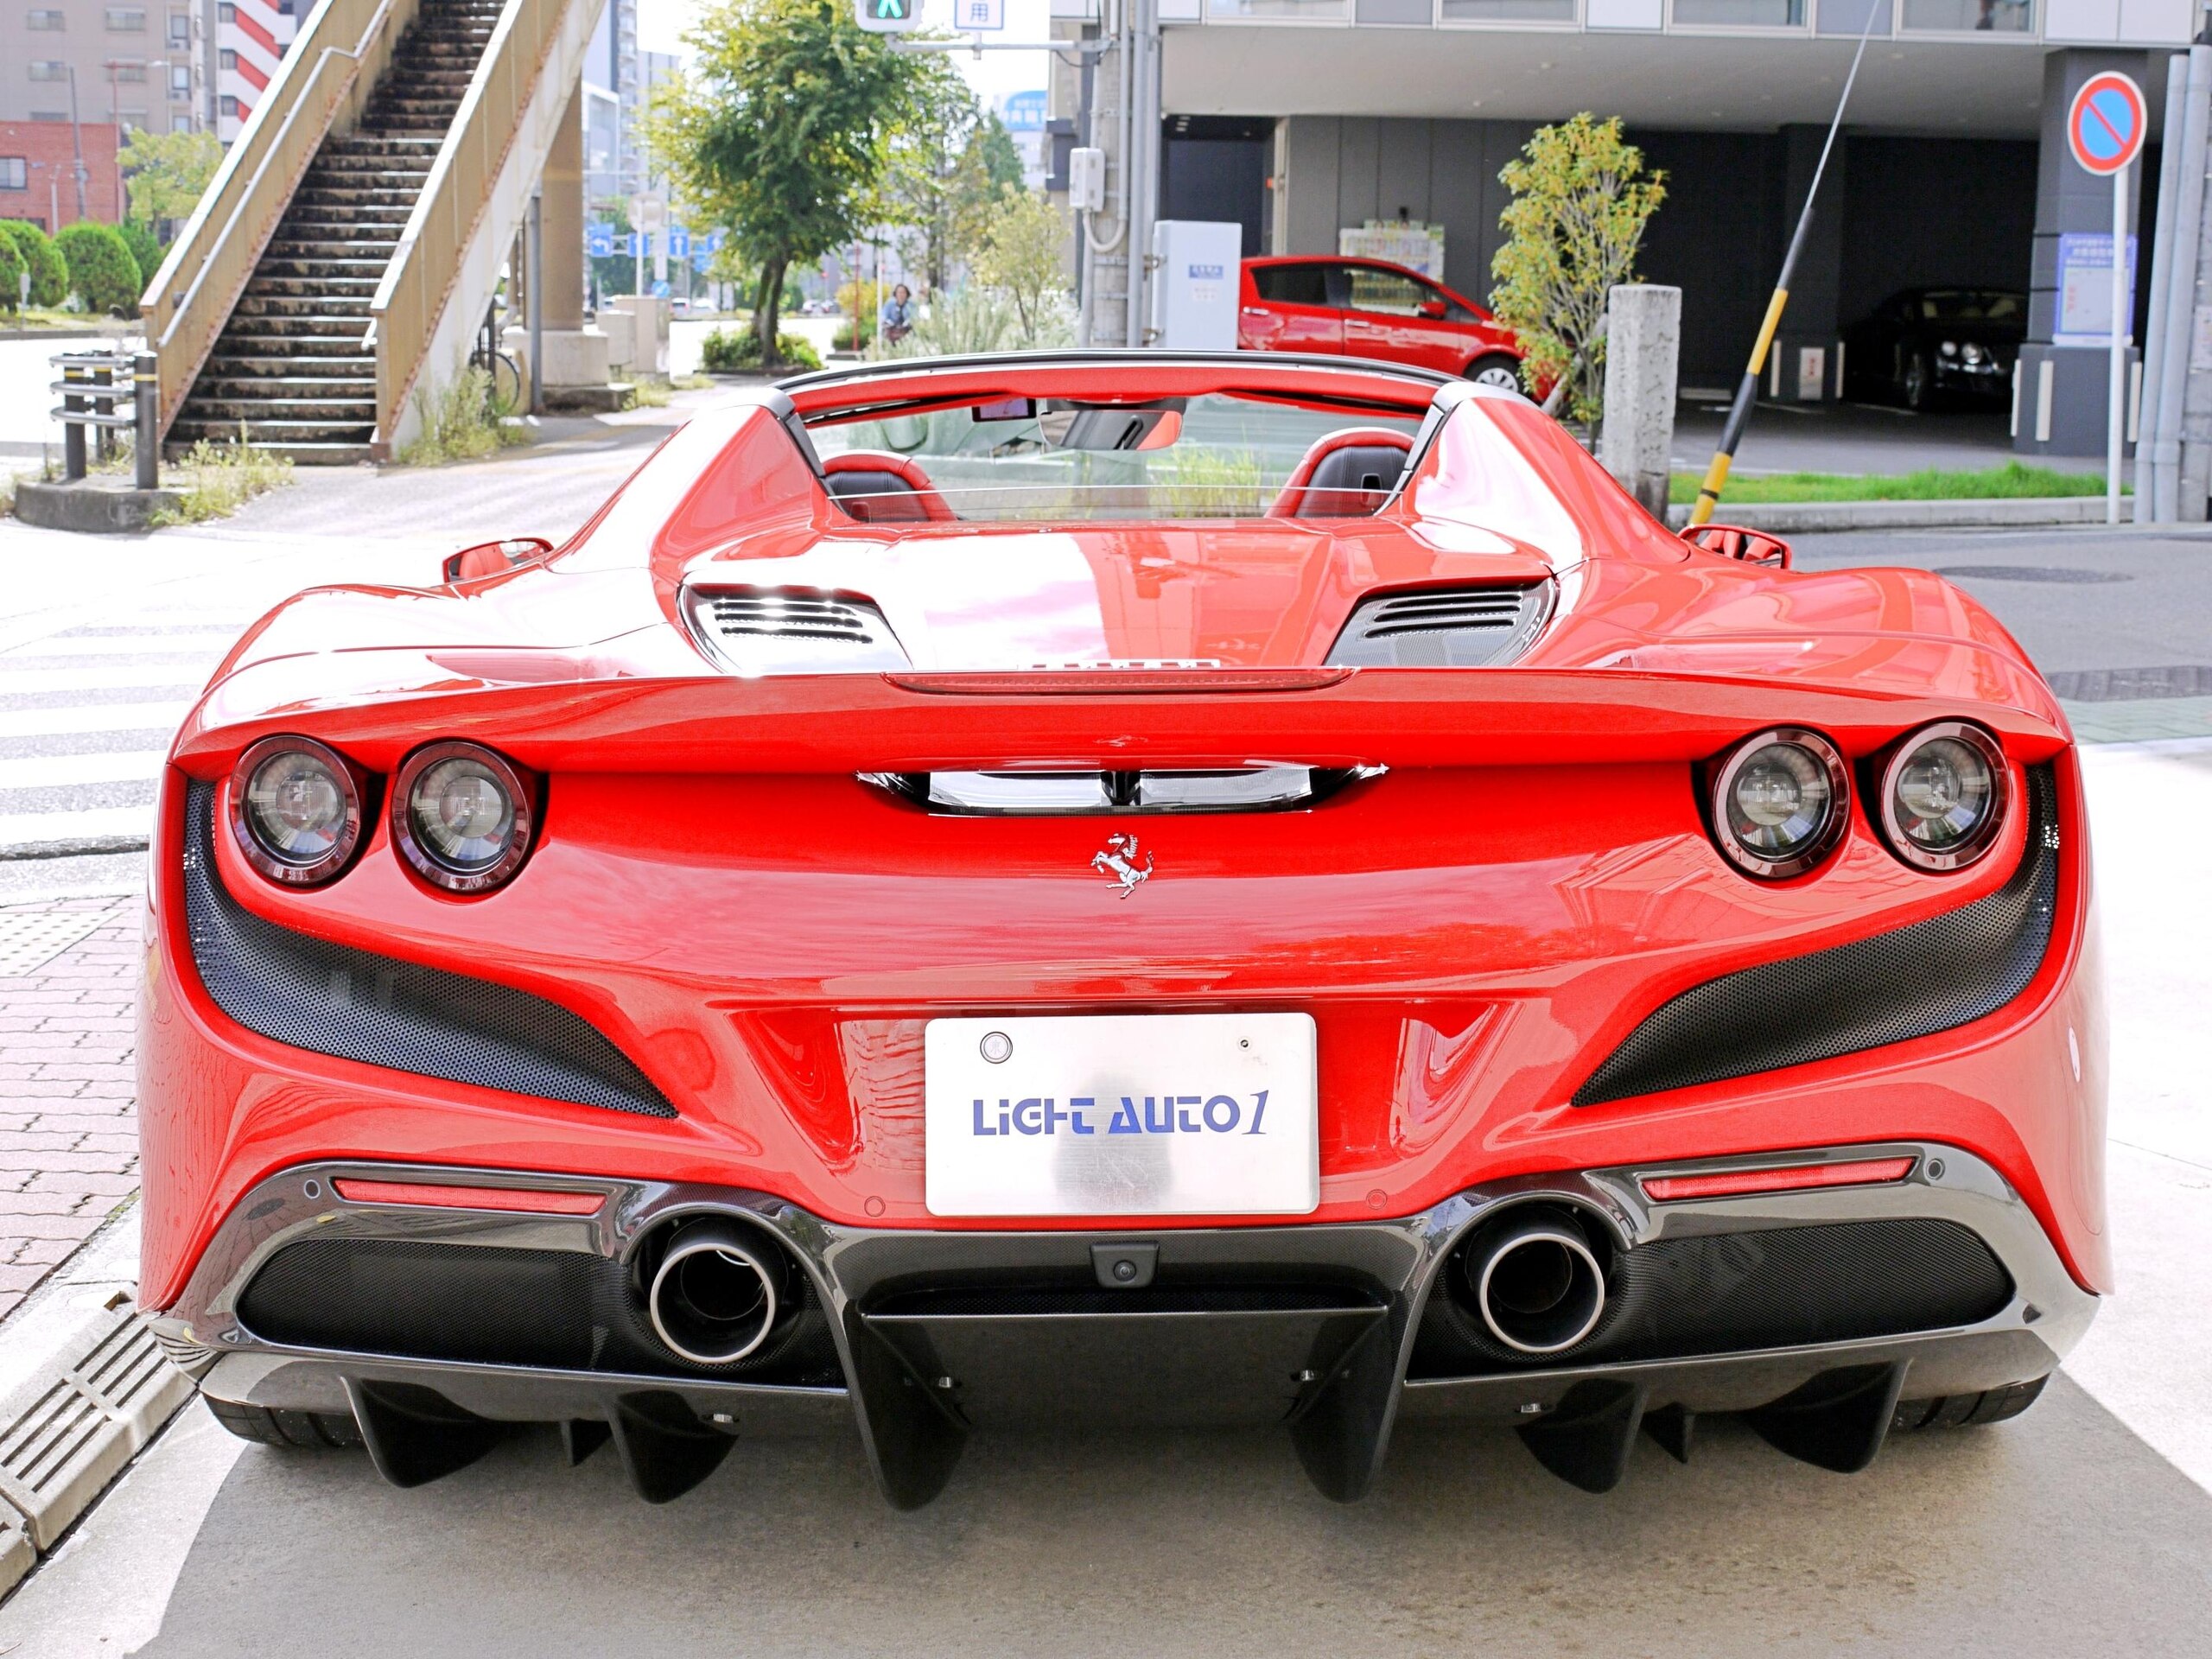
(2010, 481)
(464, 422)
(218, 478)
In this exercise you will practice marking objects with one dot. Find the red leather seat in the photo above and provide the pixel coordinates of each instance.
(878, 487)
(1347, 474)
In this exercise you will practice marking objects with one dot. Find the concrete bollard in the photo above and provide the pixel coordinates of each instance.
(1643, 339)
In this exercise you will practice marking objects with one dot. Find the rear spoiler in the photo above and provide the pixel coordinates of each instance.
(829, 723)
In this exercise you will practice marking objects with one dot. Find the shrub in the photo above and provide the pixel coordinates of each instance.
(979, 319)
(221, 477)
(462, 422)
(49, 274)
(12, 274)
(843, 340)
(724, 352)
(145, 250)
(102, 273)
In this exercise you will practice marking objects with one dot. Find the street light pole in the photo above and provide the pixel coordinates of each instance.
(77, 141)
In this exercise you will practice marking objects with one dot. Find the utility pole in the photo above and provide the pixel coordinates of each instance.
(77, 141)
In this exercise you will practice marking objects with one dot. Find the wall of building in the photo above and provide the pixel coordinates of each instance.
(1720, 234)
(44, 154)
(132, 58)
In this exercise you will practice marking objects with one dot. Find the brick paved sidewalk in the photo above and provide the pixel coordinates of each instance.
(68, 1121)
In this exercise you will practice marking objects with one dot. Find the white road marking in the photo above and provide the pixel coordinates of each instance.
(47, 771)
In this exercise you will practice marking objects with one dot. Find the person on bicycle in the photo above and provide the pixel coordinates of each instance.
(895, 320)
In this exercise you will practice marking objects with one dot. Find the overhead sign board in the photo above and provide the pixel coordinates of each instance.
(978, 14)
(2106, 121)
(1024, 112)
(599, 239)
(887, 16)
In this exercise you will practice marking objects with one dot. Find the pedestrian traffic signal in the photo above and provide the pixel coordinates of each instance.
(887, 16)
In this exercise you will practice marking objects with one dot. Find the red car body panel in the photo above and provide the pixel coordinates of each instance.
(1447, 343)
(1474, 931)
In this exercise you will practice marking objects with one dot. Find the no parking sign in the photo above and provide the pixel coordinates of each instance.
(2105, 125)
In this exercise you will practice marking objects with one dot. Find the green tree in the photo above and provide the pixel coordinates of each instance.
(145, 249)
(49, 272)
(1025, 240)
(921, 184)
(168, 172)
(1580, 202)
(782, 130)
(102, 273)
(11, 275)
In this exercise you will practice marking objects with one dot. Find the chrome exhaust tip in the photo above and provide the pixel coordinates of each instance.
(716, 1292)
(1537, 1284)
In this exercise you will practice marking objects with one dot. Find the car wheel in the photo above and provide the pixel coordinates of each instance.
(1919, 383)
(1966, 1410)
(1495, 370)
(317, 1430)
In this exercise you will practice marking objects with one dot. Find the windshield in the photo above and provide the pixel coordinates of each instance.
(1209, 455)
(1971, 305)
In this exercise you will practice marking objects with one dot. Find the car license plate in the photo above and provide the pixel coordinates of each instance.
(1122, 1115)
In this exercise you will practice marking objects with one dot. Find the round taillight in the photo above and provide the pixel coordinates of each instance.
(1780, 801)
(1943, 796)
(295, 810)
(462, 817)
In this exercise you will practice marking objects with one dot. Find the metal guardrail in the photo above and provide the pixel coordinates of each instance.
(321, 83)
(108, 378)
(426, 267)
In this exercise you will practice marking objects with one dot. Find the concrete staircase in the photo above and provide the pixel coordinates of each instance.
(293, 363)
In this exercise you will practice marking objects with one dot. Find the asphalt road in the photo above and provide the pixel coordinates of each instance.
(2083, 1527)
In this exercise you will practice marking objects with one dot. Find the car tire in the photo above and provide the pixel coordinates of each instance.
(1966, 1410)
(1498, 369)
(320, 1431)
(1918, 385)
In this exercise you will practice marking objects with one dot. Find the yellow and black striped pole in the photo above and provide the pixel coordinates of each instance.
(1747, 393)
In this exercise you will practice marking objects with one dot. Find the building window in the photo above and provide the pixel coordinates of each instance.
(1303, 11)
(180, 29)
(48, 20)
(180, 123)
(49, 69)
(49, 115)
(180, 80)
(15, 172)
(128, 72)
(229, 105)
(1508, 11)
(226, 59)
(226, 13)
(125, 20)
(1742, 14)
(1971, 16)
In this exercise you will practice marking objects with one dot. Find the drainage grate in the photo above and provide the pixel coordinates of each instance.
(71, 1429)
(31, 938)
(2059, 573)
(2133, 684)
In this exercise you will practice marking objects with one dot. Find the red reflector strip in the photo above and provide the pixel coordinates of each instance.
(1868, 1172)
(1121, 682)
(470, 1197)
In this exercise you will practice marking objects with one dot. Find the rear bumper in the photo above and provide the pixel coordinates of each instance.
(1332, 1329)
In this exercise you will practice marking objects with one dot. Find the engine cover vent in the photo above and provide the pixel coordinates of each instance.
(1078, 794)
(792, 631)
(1443, 627)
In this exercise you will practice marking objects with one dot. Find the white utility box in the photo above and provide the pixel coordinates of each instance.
(1195, 271)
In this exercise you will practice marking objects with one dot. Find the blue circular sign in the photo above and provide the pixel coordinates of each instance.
(2105, 125)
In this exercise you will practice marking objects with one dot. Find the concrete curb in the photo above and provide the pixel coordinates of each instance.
(94, 507)
(1810, 515)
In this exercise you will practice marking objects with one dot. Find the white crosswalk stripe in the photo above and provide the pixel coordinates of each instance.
(85, 715)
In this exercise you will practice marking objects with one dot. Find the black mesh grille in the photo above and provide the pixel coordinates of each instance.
(1443, 627)
(487, 1306)
(1741, 1292)
(380, 1011)
(1932, 977)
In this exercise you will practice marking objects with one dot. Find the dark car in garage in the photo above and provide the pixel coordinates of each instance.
(1929, 345)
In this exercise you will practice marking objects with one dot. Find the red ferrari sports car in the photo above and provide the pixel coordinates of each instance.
(1095, 886)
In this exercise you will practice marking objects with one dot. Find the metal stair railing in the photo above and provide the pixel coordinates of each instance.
(322, 83)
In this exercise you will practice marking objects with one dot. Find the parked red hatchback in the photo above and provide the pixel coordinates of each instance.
(1370, 307)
